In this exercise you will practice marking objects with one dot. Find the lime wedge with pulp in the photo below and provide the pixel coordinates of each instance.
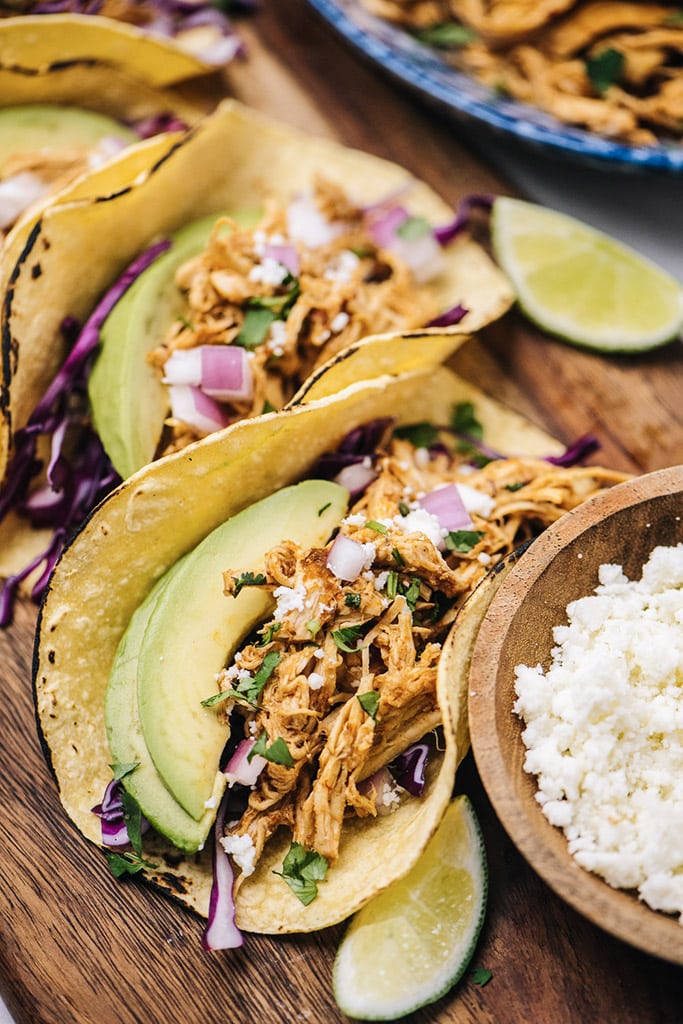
(413, 941)
(582, 285)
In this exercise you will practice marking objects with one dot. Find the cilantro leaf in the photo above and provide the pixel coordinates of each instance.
(121, 864)
(302, 869)
(420, 435)
(464, 421)
(132, 816)
(268, 634)
(248, 579)
(397, 557)
(411, 592)
(277, 752)
(604, 69)
(372, 524)
(448, 35)
(346, 636)
(352, 599)
(514, 487)
(255, 327)
(392, 584)
(369, 701)
(403, 508)
(414, 227)
(463, 541)
(268, 666)
(122, 769)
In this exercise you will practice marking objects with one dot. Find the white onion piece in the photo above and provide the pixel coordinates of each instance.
(184, 366)
(16, 193)
(240, 770)
(355, 478)
(423, 255)
(346, 558)
(193, 407)
(447, 505)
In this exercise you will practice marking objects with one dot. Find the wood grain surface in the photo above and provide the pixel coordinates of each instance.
(77, 946)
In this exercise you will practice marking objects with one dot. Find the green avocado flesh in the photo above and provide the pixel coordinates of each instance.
(127, 743)
(193, 630)
(43, 126)
(129, 403)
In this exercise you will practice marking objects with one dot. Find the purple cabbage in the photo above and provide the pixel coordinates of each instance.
(449, 317)
(408, 769)
(354, 448)
(463, 217)
(221, 932)
(79, 479)
(111, 814)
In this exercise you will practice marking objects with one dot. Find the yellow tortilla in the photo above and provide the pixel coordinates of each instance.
(142, 529)
(38, 42)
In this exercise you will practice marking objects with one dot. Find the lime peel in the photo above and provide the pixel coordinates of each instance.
(582, 285)
(413, 942)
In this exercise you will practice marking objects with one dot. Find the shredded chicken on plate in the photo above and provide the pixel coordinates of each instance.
(351, 664)
(612, 66)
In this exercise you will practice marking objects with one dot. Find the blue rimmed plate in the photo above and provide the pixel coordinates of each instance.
(423, 69)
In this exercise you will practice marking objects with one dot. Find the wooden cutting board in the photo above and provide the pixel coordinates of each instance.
(77, 946)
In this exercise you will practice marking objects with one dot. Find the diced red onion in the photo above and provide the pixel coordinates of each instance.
(193, 407)
(383, 224)
(240, 770)
(284, 254)
(346, 558)
(447, 505)
(356, 477)
(221, 371)
(449, 317)
(221, 932)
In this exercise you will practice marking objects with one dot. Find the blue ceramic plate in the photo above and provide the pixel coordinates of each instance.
(423, 69)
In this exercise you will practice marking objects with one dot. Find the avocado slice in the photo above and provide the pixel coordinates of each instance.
(127, 743)
(33, 127)
(128, 401)
(194, 630)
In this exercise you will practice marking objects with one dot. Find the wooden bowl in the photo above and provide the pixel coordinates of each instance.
(621, 525)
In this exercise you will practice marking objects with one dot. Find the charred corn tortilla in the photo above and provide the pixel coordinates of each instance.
(150, 522)
(40, 42)
(223, 163)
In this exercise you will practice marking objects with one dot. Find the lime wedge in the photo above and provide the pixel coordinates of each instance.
(580, 284)
(413, 942)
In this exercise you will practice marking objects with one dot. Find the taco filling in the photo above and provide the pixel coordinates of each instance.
(325, 700)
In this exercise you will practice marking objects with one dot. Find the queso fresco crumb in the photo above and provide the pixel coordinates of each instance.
(604, 729)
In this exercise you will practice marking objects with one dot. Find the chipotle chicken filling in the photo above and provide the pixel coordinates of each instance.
(343, 677)
(307, 281)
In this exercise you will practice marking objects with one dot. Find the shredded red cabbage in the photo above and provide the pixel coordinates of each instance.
(110, 812)
(449, 317)
(356, 446)
(79, 478)
(408, 769)
(221, 932)
(463, 217)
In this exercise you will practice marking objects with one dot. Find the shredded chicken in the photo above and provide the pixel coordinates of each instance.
(343, 288)
(353, 664)
(614, 67)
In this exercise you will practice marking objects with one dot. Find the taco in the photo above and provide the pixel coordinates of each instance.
(247, 262)
(160, 43)
(59, 126)
(224, 637)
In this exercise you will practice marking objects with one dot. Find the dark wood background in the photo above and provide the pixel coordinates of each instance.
(75, 945)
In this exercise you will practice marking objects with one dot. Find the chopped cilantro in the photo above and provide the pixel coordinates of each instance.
(185, 323)
(132, 816)
(268, 634)
(248, 579)
(302, 869)
(372, 524)
(277, 752)
(121, 864)
(411, 592)
(481, 976)
(352, 599)
(447, 35)
(604, 69)
(346, 636)
(514, 487)
(313, 626)
(403, 508)
(255, 327)
(249, 688)
(120, 770)
(463, 541)
(369, 701)
(279, 305)
(464, 421)
(218, 698)
(392, 584)
(420, 435)
(267, 407)
(397, 557)
(414, 227)
(324, 508)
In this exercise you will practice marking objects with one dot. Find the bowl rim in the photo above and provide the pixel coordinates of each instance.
(544, 846)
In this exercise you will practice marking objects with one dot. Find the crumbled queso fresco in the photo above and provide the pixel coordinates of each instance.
(604, 729)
